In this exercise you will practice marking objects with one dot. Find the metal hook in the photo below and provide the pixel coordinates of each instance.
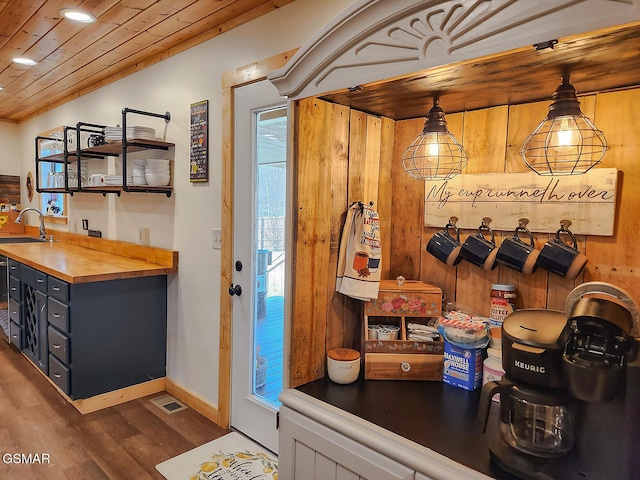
(565, 224)
(523, 222)
(486, 221)
(453, 220)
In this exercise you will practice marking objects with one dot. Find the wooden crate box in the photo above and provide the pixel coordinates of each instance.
(402, 359)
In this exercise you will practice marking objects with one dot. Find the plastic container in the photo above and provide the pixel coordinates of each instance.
(492, 368)
(503, 303)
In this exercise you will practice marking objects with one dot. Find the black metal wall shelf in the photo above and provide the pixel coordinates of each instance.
(111, 149)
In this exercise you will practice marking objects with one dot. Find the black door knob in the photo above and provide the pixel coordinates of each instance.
(235, 290)
(238, 266)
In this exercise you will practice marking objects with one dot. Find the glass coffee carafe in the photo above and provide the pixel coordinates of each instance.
(533, 420)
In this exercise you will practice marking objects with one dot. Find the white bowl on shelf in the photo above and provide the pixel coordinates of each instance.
(139, 180)
(157, 179)
(161, 171)
(159, 162)
(138, 172)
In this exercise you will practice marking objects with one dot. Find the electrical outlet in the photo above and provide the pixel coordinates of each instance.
(143, 236)
(217, 238)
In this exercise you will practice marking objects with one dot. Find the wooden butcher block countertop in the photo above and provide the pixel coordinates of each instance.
(78, 264)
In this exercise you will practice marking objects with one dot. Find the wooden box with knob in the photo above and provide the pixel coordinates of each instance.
(401, 358)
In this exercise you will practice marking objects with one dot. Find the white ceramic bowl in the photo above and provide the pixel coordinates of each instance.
(158, 162)
(157, 179)
(166, 171)
(139, 180)
(343, 365)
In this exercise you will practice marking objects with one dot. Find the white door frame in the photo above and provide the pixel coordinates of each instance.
(230, 80)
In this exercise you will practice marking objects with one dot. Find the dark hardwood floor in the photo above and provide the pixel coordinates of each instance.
(122, 442)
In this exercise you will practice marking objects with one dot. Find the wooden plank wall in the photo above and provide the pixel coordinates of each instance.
(10, 189)
(345, 155)
(341, 156)
(492, 138)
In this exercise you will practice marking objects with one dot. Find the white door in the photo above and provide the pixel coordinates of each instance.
(258, 255)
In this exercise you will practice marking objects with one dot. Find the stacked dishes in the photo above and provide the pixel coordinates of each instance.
(116, 180)
(158, 172)
(139, 172)
(114, 134)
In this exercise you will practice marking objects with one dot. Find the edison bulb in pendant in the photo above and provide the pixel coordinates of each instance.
(432, 147)
(566, 135)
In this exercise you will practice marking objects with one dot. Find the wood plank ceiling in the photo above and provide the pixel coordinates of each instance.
(75, 58)
(597, 61)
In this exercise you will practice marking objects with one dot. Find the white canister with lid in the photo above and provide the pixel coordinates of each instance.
(492, 368)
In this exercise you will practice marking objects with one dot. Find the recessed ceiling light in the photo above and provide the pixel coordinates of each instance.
(25, 61)
(77, 15)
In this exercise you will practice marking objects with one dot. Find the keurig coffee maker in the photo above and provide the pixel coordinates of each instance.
(552, 361)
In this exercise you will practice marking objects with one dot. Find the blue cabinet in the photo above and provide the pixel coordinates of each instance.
(91, 338)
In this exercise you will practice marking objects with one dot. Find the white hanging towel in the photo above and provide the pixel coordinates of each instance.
(360, 256)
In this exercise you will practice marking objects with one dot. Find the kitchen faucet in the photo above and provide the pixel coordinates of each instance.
(43, 233)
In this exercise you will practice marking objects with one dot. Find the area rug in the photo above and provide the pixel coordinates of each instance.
(231, 457)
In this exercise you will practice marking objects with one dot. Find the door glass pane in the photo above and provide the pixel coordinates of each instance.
(271, 142)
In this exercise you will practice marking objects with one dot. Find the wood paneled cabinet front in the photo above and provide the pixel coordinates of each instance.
(311, 451)
(90, 338)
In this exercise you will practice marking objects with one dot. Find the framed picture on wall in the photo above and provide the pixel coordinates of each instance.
(199, 146)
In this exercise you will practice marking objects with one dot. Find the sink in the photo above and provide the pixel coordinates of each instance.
(20, 240)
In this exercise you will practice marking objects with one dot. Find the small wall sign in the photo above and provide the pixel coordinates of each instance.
(199, 155)
(587, 200)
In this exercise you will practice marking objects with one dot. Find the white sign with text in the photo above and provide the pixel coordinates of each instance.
(588, 201)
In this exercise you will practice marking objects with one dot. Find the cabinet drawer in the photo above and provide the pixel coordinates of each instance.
(398, 366)
(27, 274)
(59, 374)
(58, 314)
(59, 345)
(14, 311)
(14, 288)
(40, 281)
(58, 289)
(15, 334)
(14, 267)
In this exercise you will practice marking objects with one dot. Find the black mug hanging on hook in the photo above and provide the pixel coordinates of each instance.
(445, 247)
(479, 250)
(562, 259)
(519, 255)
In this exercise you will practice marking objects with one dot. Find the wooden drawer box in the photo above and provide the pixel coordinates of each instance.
(402, 359)
(402, 366)
(413, 299)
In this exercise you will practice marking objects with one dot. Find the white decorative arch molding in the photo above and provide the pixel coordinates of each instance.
(373, 40)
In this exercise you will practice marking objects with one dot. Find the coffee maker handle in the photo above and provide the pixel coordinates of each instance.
(489, 389)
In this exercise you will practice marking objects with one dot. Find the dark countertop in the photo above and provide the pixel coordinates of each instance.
(443, 418)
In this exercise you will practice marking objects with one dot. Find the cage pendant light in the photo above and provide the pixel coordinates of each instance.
(435, 154)
(566, 142)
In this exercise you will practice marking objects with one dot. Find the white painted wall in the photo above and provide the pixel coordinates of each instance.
(10, 158)
(184, 221)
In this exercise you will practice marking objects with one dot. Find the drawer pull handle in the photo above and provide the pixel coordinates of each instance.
(40, 280)
(14, 311)
(57, 375)
(56, 315)
(56, 289)
(56, 345)
(13, 289)
(405, 366)
(15, 335)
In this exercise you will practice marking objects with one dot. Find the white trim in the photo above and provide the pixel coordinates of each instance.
(373, 40)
